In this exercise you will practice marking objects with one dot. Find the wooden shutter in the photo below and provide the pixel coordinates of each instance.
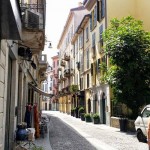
(98, 65)
(91, 22)
(98, 17)
(87, 80)
(92, 69)
(95, 16)
(103, 8)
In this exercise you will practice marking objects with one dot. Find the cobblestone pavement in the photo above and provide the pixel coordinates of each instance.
(63, 137)
(102, 137)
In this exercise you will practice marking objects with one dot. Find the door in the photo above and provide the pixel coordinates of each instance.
(8, 108)
(103, 109)
(45, 106)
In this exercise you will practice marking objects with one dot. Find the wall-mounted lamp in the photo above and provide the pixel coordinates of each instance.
(50, 45)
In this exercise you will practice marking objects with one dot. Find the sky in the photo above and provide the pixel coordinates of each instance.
(57, 12)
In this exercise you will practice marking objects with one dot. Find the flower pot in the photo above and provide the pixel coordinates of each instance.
(96, 120)
(21, 134)
(88, 119)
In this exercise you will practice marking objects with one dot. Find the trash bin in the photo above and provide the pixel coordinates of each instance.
(123, 124)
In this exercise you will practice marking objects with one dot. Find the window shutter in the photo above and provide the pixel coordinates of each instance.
(98, 17)
(91, 22)
(98, 65)
(87, 80)
(95, 16)
(101, 32)
(103, 8)
(92, 69)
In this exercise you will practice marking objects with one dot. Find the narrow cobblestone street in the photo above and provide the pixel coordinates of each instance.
(69, 133)
(63, 137)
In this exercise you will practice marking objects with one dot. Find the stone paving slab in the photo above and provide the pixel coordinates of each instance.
(102, 136)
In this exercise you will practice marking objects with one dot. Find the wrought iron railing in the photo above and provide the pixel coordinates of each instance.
(33, 16)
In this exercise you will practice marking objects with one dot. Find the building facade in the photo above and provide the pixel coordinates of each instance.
(54, 100)
(66, 56)
(22, 65)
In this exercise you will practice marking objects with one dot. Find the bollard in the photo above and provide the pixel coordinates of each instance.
(148, 133)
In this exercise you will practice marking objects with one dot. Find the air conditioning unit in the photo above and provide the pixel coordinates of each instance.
(33, 20)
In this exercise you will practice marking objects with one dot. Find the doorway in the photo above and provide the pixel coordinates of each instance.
(8, 124)
(103, 109)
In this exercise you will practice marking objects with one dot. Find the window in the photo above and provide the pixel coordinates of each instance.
(93, 18)
(93, 45)
(81, 41)
(101, 32)
(87, 34)
(81, 83)
(92, 69)
(57, 62)
(88, 80)
(98, 65)
(54, 64)
(100, 10)
(87, 59)
(146, 112)
(93, 39)
(81, 60)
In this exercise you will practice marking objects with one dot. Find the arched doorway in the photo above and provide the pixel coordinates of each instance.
(89, 105)
(103, 108)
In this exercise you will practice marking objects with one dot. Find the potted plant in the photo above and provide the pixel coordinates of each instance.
(81, 110)
(87, 117)
(72, 112)
(96, 118)
(82, 116)
(76, 112)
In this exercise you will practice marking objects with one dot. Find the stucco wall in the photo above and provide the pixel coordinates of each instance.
(120, 8)
(3, 92)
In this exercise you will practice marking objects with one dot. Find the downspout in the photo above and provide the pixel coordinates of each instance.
(106, 14)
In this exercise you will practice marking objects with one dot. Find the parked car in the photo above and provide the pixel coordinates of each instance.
(141, 124)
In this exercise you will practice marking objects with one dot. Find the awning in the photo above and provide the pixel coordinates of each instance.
(40, 91)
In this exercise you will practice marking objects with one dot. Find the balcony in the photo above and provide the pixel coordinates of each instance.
(62, 63)
(72, 71)
(33, 22)
(62, 78)
(43, 76)
(43, 62)
(59, 69)
(67, 72)
(66, 57)
(10, 16)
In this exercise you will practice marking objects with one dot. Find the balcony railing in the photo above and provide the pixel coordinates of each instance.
(67, 72)
(62, 63)
(32, 16)
(62, 78)
(66, 57)
(59, 69)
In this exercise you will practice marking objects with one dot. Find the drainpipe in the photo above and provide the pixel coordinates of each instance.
(105, 14)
